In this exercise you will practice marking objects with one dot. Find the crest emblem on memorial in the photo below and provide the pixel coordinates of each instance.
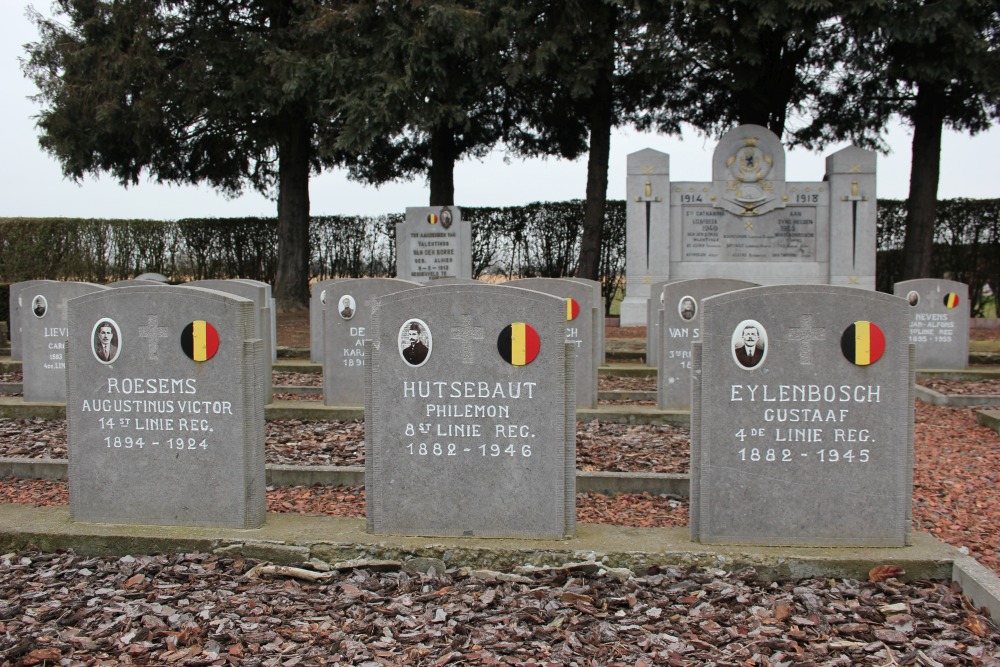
(446, 217)
(863, 343)
(518, 344)
(200, 340)
(748, 166)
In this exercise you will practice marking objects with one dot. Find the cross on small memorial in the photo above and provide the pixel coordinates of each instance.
(805, 336)
(466, 333)
(153, 332)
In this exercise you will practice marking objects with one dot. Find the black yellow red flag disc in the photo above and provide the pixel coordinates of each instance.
(518, 344)
(432, 218)
(200, 340)
(951, 300)
(572, 309)
(863, 343)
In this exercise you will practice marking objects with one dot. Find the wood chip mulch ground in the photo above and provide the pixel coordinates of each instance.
(956, 476)
(202, 609)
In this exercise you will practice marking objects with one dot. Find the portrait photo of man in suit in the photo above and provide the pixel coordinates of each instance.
(39, 305)
(106, 340)
(749, 343)
(412, 343)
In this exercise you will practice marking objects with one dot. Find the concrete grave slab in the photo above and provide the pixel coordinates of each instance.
(469, 414)
(807, 438)
(346, 325)
(433, 242)
(939, 321)
(14, 313)
(171, 430)
(258, 292)
(679, 326)
(583, 319)
(45, 329)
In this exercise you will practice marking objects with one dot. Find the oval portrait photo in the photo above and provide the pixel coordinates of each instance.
(749, 344)
(415, 342)
(107, 338)
(39, 306)
(687, 307)
(347, 306)
(913, 298)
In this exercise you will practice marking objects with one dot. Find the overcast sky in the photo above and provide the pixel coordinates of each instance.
(33, 184)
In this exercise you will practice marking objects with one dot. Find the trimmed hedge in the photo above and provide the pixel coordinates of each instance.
(536, 240)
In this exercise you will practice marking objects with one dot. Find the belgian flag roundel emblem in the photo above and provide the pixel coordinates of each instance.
(951, 300)
(518, 344)
(200, 340)
(863, 343)
(572, 309)
(432, 218)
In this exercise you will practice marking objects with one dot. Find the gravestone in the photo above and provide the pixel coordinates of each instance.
(44, 330)
(433, 242)
(256, 292)
(171, 431)
(269, 312)
(599, 303)
(653, 307)
(132, 282)
(469, 420)
(14, 313)
(679, 326)
(939, 321)
(438, 282)
(748, 222)
(318, 294)
(581, 329)
(346, 325)
(806, 438)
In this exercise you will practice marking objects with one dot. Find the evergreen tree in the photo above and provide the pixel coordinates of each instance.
(199, 91)
(933, 64)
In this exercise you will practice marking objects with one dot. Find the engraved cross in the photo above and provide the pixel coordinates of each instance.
(153, 332)
(805, 336)
(466, 333)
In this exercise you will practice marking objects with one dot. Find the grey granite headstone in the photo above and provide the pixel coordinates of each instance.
(16, 303)
(132, 282)
(807, 439)
(171, 431)
(748, 222)
(939, 321)
(600, 304)
(346, 325)
(257, 292)
(317, 302)
(44, 330)
(269, 313)
(679, 326)
(433, 242)
(469, 431)
(653, 308)
(581, 329)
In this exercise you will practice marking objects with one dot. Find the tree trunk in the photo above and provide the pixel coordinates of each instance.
(925, 170)
(601, 120)
(442, 173)
(291, 281)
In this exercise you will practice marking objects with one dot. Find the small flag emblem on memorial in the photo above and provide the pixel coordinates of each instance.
(951, 300)
(200, 340)
(572, 309)
(518, 344)
(863, 343)
(432, 218)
